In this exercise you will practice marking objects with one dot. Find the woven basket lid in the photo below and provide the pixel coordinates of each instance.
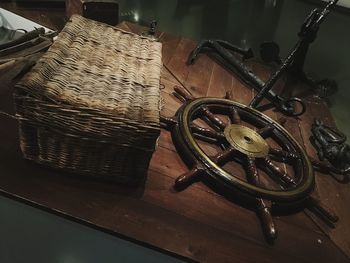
(100, 67)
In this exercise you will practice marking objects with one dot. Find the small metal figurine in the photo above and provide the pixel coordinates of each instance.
(331, 146)
(151, 32)
(295, 60)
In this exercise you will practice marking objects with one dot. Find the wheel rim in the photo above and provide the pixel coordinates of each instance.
(229, 181)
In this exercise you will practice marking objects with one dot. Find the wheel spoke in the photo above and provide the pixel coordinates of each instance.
(282, 155)
(182, 94)
(252, 171)
(266, 131)
(322, 209)
(224, 156)
(212, 120)
(188, 178)
(179, 96)
(281, 175)
(264, 208)
(204, 138)
(207, 132)
(234, 116)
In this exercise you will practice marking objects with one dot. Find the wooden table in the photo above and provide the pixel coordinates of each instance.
(196, 224)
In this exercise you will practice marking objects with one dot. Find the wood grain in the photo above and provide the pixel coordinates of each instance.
(197, 223)
(333, 194)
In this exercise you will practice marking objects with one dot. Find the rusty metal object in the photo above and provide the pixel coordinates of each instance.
(230, 60)
(331, 148)
(241, 133)
(294, 61)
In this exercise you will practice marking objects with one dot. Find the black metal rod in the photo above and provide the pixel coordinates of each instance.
(271, 82)
(247, 75)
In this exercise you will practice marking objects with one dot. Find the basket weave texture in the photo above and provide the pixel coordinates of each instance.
(91, 104)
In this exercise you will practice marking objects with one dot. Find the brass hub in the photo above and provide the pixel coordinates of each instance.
(246, 140)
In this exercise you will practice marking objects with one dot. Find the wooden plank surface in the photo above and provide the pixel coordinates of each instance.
(197, 223)
(332, 193)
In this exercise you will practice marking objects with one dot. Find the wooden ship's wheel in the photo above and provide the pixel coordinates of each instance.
(252, 157)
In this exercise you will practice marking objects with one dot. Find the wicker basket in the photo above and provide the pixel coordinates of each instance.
(91, 104)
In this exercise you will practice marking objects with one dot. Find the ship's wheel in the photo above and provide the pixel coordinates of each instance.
(242, 152)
